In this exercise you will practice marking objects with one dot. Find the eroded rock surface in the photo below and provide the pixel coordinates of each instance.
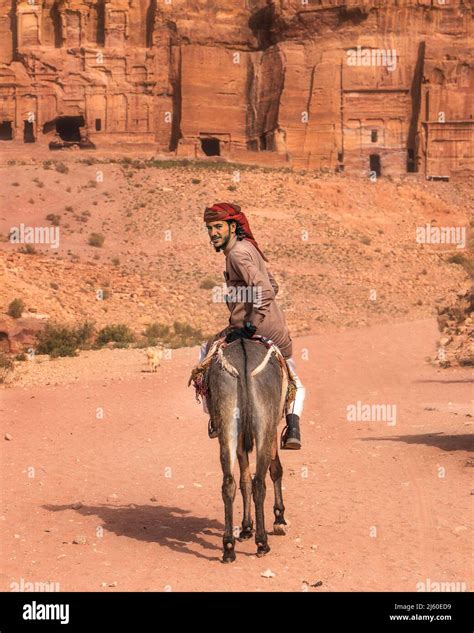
(456, 322)
(355, 85)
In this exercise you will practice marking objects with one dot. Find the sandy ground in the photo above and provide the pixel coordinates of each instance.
(371, 506)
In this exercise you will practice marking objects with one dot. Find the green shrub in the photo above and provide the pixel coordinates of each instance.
(208, 283)
(54, 218)
(118, 333)
(180, 335)
(89, 161)
(157, 331)
(96, 239)
(62, 168)
(6, 366)
(85, 333)
(184, 335)
(15, 308)
(144, 342)
(28, 249)
(463, 260)
(57, 340)
(63, 340)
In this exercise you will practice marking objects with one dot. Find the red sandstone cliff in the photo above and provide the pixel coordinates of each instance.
(269, 81)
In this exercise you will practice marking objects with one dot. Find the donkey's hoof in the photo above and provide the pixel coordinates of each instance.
(279, 529)
(245, 534)
(262, 550)
(228, 557)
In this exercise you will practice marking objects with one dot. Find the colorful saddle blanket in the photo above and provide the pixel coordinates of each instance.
(199, 374)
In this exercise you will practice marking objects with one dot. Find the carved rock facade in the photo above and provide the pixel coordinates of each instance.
(356, 85)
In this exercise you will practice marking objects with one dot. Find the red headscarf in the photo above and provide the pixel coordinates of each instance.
(225, 212)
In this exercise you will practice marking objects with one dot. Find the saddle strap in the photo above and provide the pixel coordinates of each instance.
(288, 386)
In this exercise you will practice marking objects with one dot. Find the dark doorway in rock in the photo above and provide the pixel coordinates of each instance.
(375, 165)
(411, 161)
(263, 143)
(28, 132)
(56, 19)
(98, 125)
(211, 146)
(340, 162)
(68, 127)
(6, 131)
(100, 23)
(374, 136)
(150, 23)
(14, 31)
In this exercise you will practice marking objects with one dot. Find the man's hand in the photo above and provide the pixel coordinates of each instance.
(242, 332)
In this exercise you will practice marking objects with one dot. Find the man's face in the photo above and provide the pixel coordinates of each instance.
(220, 233)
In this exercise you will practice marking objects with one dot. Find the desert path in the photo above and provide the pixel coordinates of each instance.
(371, 506)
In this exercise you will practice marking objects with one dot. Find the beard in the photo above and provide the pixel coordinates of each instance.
(224, 243)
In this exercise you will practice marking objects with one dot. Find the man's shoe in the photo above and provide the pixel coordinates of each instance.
(291, 437)
(211, 430)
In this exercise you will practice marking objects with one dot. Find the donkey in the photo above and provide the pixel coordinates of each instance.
(246, 396)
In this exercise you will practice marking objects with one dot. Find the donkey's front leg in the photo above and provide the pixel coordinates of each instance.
(228, 495)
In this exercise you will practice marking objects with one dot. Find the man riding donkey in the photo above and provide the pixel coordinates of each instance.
(258, 314)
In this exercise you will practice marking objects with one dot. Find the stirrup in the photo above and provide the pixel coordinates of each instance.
(284, 436)
(287, 442)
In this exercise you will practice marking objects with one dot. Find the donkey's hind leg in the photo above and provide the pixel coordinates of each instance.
(276, 474)
(228, 451)
(246, 489)
(259, 491)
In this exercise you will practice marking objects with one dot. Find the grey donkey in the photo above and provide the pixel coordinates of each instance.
(246, 400)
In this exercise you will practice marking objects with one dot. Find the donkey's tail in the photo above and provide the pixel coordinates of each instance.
(245, 400)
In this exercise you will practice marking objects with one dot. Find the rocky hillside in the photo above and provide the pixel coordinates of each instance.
(456, 323)
(344, 251)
